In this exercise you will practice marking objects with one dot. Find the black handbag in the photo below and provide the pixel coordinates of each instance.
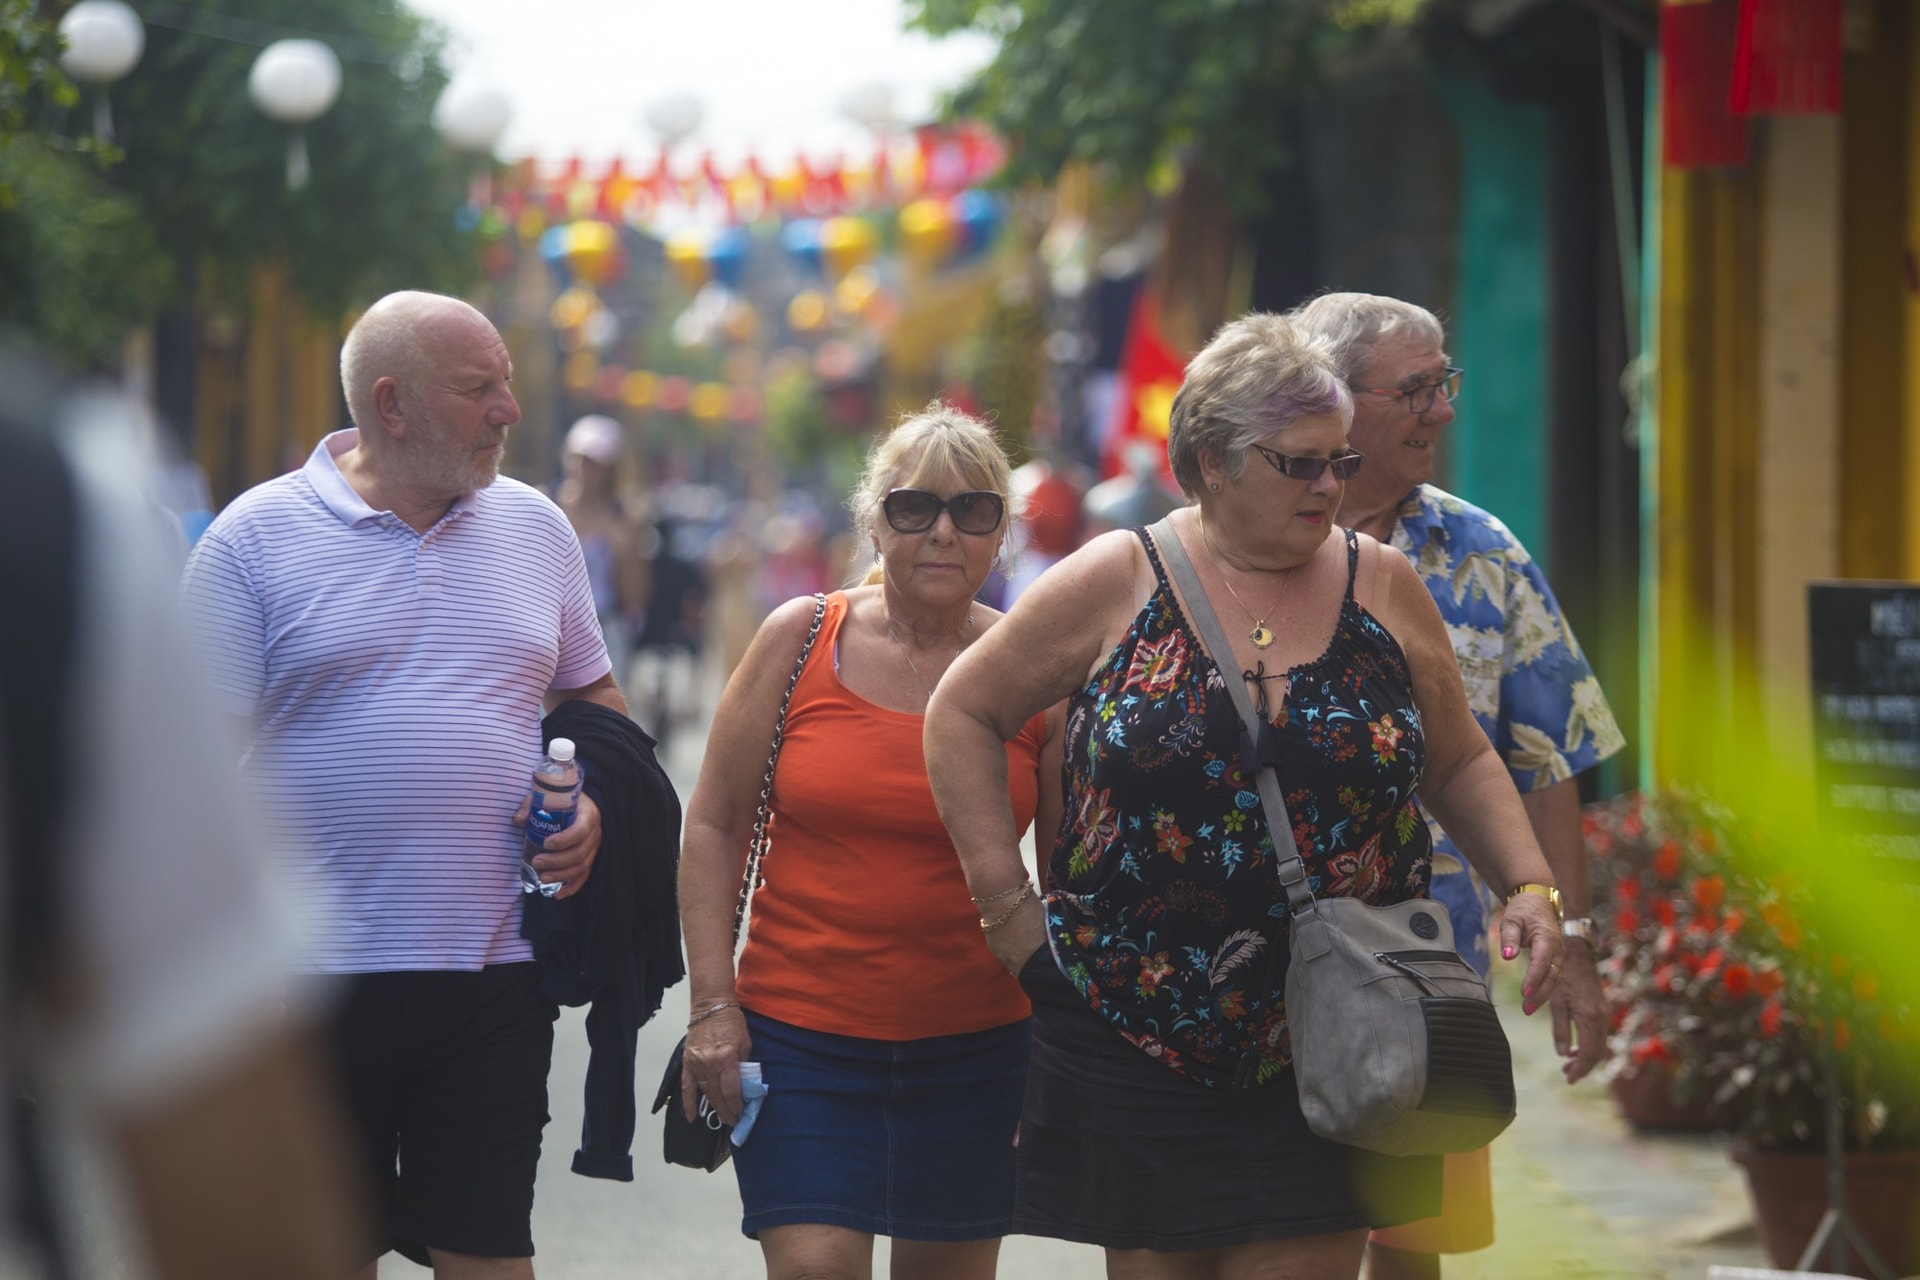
(706, 1142)
(1396, 1045)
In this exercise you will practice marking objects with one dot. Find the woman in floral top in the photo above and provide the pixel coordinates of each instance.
(1161, 1119)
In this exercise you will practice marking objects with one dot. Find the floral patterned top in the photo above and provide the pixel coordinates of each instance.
(1168, 914)
(1527, 682)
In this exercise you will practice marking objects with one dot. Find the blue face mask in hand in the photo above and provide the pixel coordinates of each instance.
(752, 1090)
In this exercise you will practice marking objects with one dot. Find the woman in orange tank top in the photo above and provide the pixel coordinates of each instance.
(892, 1044)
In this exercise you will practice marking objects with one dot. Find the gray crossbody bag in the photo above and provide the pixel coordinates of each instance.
(1396, 1045)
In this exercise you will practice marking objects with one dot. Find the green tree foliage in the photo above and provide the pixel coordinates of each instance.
(96, 240)
(78, 259)
(1133, 84)
(29, 65)
(210, 168)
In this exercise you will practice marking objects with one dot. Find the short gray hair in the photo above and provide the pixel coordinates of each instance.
(1260, 373)
(385, 342)
(937, 443)
(1355, 324)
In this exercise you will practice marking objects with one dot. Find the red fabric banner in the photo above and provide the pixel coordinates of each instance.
(1786, 58)
(1700, 130)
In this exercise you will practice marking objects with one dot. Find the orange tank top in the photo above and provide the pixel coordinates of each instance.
(863, 926)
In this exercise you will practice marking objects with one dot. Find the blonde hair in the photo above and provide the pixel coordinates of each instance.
(940, 443)
(1259, 373)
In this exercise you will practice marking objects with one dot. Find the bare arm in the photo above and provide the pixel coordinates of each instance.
(1034, 657)
(244, 1174)
(713, 849)
(603, 691)
(1465, 784)
(1579, 1010)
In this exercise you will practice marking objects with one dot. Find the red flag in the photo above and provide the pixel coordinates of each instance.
(1786, 58)
(1150, 374)
(1696, 57)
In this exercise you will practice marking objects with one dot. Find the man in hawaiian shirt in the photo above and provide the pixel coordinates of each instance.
(1527, 682)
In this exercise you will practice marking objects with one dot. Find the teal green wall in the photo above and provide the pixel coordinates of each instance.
(1498, 328)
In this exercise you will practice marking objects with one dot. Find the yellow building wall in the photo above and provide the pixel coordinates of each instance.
(1788, 369)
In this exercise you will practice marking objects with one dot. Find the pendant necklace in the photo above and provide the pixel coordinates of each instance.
(901, 645)
(1261, 635)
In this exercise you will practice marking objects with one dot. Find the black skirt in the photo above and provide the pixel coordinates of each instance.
(1120, 1151)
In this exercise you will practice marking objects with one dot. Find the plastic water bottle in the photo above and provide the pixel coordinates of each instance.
(556, 798)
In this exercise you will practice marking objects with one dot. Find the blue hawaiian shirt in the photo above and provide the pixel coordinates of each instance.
(1527, 682)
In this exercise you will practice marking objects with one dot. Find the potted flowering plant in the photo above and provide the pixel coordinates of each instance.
(1722, 980)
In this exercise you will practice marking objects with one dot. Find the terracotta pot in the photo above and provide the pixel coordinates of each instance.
(1789, 1193)
(1644, 1098)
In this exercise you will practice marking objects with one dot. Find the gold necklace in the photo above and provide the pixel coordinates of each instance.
(901, 645)
(1261, 636)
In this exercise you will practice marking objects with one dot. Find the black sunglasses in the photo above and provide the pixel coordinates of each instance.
(1344, 466)
(916, 510)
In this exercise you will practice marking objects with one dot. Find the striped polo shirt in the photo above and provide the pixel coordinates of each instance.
(394, 681)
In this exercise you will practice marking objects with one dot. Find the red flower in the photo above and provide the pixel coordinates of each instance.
(1626, 920)
(1654, 1050)
(1663, 912)
(1768, 982)
(1711, 962)
(1666, 978)
(1770, 1018)
(1709, 892)
(1738, 980)
(1666, 861)
(1628, 889)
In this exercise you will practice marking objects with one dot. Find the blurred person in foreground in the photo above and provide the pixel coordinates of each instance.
(1527, 684)
(145, 949)
(389, 623)
(1161, 1120)
(612, 530)
(893, 1046)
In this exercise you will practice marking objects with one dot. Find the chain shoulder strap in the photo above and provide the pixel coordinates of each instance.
(757, 849)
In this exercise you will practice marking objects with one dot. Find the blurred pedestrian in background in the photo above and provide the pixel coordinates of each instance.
(893, 1047)
(145, 950)
(613, 533)
(1527, 684)
(1134, 498)
(1161, 1120)
(388, 623)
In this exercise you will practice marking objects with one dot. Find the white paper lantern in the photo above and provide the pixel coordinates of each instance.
(472, 116)
(674, 118)
(295, 81)
(105, 39)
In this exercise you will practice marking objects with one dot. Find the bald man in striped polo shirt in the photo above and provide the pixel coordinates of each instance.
(390, 622)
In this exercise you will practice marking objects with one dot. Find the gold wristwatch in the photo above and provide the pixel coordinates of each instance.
(1547, 891)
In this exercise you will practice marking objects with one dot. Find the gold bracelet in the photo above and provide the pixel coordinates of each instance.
(988, 926)
(704, 1014)
(1004, 893)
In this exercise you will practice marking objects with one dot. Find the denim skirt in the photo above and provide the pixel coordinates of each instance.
(1121, 1151)
(911, 1139)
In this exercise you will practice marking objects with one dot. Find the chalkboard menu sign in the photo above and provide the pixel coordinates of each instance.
(1866, 706)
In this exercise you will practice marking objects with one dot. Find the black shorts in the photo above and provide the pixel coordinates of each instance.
(445, 1077)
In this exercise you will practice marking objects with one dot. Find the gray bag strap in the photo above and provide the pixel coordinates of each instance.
(1292, 868)
(753, 876)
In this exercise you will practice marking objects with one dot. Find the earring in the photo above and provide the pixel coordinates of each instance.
(1215, 486)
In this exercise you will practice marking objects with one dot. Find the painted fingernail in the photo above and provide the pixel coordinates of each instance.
(1527, 992)
(1508, 953)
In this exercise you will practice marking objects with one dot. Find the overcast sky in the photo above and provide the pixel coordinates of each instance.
(770, 74)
